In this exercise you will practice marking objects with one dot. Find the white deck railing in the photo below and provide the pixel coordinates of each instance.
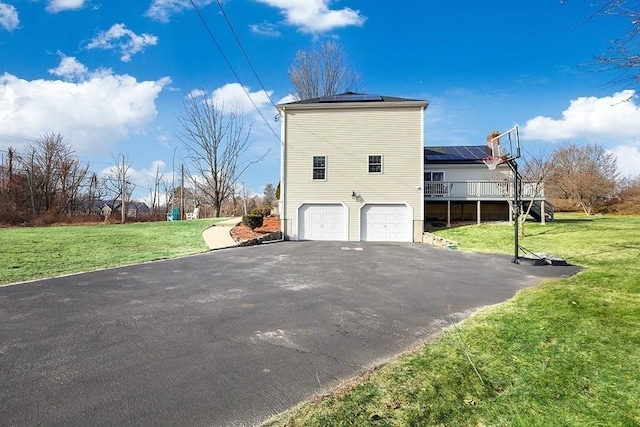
(487, 190)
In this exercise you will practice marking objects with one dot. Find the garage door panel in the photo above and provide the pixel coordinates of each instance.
(322, 222)
(386, 223)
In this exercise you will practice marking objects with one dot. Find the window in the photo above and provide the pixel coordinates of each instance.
(375, 164)
(434, 185)
(319, 167)
(433, 176)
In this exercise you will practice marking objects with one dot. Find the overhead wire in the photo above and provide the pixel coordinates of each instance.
(239, 43)
(226, 59)
(235, 35)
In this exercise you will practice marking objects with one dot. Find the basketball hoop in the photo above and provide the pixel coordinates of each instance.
(492, 162)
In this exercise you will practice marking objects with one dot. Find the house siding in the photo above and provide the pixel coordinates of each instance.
(347, 135)
(469, 172)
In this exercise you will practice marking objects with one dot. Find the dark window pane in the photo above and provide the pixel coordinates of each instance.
(375, 164)
(319, 167)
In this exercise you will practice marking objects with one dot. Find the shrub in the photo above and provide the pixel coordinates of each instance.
(261, 210)
(253, 221)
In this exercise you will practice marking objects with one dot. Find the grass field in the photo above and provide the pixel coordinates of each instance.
(37, 252)
(566, 353)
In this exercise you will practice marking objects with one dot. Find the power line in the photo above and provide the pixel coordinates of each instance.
(226, 18)
(215, 41)
(19, 137)
(233, 31)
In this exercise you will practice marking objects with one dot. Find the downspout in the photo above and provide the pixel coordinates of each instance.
(281, 201)
(422, 159)
(283, 186)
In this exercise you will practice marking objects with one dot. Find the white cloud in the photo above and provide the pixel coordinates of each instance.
(628, 159)
(8, 17)
(611, 120)
(288, 98)
(69, 68)
(265, 29)
(608, 118)
(314, 16)
(232, 95)
(56, 6)
(92, 113)
(161, 10)
(122, 39)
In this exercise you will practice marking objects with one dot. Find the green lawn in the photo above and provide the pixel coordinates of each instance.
(566, 353)
(37, 252)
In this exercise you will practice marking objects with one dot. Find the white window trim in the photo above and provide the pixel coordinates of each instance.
(431, 173)
(313, 167)
(381, 164)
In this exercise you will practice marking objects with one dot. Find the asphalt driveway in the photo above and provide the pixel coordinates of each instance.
(233, 336)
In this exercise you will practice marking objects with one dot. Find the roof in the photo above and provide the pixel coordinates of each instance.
(353, 97)
(456, 154)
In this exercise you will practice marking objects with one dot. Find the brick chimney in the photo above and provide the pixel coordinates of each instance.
(494, 144)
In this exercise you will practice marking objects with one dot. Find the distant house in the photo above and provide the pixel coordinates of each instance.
(114, 207)
(352, 168)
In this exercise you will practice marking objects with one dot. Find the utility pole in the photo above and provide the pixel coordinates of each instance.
(123, 208)
(182, 191)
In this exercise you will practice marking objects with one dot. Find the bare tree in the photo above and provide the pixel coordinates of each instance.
(587, 175)
(154, 191)
(623, 55)
(535, 171)
(322, 71)
(169, 192)
(628, 196)
(54, 174)
(119, 185)
(217, 145)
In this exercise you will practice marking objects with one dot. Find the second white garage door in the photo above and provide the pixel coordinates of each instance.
(322, 222)
(386, 223)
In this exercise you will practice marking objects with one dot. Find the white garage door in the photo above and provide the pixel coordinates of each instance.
(322, 222)
(386, 223)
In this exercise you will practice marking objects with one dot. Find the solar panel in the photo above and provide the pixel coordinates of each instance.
(461, 153)
(350, 97)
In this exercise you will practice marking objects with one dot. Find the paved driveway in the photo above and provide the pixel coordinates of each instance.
(229, 337)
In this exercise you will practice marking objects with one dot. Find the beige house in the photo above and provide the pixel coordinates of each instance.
(352, 168)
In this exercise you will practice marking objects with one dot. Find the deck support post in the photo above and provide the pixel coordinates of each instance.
(478, 211)
(449, 213)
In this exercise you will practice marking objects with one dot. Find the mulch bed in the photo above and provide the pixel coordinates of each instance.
(241, 232)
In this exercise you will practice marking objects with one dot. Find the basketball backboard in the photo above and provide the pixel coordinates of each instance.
(502, 147)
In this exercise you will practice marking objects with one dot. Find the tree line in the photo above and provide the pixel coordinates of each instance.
(47, 183)
(583, 178)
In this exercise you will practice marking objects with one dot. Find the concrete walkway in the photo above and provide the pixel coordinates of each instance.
(219, 236)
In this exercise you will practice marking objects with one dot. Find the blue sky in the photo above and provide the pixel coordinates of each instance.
(111, 76)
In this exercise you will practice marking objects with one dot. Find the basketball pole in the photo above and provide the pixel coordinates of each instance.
(499, 156)
(513, 164)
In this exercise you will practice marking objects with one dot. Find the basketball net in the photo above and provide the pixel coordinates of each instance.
(492, 162)
(493, 141)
